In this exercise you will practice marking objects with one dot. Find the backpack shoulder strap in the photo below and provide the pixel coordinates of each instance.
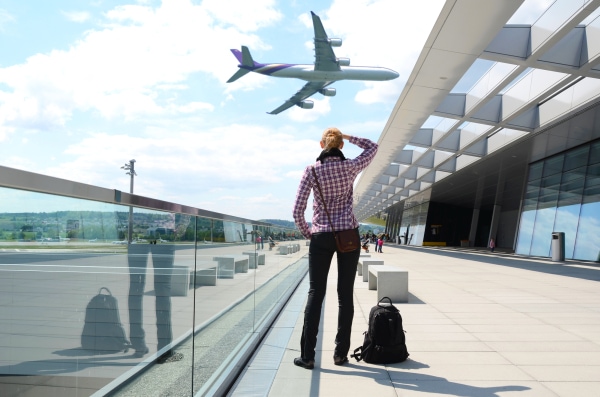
(358, 355)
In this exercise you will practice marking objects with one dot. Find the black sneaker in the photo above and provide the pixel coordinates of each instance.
(304, 363)
(337, 360)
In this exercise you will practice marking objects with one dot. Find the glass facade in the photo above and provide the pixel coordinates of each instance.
(563, 195)
(200, 289)
(412, 228)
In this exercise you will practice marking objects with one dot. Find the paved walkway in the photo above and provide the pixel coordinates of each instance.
(477, 324)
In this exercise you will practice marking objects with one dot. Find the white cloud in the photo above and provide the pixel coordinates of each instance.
(192, 107)
(77, 16)
(4, 131)
(249, 82)
(385, 33)
(321, 108)
(5, 18)
(295, 174)
(123, 69)
(268, 198)
(17, 162)
(228, 156)
(380, 92)
(243, 170)
(247, 16)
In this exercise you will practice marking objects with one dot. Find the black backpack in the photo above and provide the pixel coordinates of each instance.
(384, 341)
(103, 331)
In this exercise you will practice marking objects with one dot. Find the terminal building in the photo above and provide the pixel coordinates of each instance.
(496, 133)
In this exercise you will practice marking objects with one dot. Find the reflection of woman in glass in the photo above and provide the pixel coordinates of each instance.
(162, 260)
(335, 175)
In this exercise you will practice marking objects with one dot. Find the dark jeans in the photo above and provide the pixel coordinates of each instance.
(162, 261)
(320, 254)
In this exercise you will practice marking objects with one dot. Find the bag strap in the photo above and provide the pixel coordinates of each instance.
(323, 200)
(107, 290)
(358, 355)
(385, 297)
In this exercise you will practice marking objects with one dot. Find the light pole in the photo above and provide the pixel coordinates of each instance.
(130, 168)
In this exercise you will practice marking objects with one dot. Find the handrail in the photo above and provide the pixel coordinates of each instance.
(31, 181)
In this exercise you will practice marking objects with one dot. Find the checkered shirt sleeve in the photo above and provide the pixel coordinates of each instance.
(336, 178)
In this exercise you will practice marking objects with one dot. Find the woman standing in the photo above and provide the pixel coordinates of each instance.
(335, 176)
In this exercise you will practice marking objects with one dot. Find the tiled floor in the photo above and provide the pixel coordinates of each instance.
(478, 325)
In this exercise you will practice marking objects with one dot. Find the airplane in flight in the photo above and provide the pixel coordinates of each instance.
(326, 70)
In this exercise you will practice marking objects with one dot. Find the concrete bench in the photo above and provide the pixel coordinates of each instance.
(180, 281)
(205, 274)
(284, 249)
(231, 264)
(254, 259)
(389, 281)
(360, 265)
(365, 266)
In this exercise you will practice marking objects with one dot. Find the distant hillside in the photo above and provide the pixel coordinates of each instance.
(280, 222)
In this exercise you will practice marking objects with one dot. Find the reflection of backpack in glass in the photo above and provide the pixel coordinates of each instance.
(384, 342)
(103, 331)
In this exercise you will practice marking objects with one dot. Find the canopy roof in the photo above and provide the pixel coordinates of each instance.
(526, 78)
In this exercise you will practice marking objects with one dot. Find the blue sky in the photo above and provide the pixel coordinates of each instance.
(85, 86)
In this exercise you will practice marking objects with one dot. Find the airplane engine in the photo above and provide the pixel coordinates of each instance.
(343, 61)
(327, 91)
(335, 42)
(306, 104)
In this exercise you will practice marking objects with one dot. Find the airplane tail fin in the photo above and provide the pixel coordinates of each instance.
(238, 74)
(246, 63)
(244, 57)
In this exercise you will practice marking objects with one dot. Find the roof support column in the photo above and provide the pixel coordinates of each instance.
(495, 221)
(497, 211)
(476, 208)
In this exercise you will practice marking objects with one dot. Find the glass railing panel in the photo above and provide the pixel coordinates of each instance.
(58, 254)
(159, 304)
(247, 281)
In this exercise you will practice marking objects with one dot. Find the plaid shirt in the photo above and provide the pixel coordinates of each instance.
(336, 178)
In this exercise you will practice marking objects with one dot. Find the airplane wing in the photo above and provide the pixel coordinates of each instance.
(325, 58)
(308, 90)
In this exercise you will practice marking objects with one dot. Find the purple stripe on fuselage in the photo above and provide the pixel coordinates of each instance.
(271, 68)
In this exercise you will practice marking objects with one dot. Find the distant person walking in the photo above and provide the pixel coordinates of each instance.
(335, 175)
(492, 244)
(379, 245)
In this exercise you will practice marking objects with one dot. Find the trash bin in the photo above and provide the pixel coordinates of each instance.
(558, 247)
